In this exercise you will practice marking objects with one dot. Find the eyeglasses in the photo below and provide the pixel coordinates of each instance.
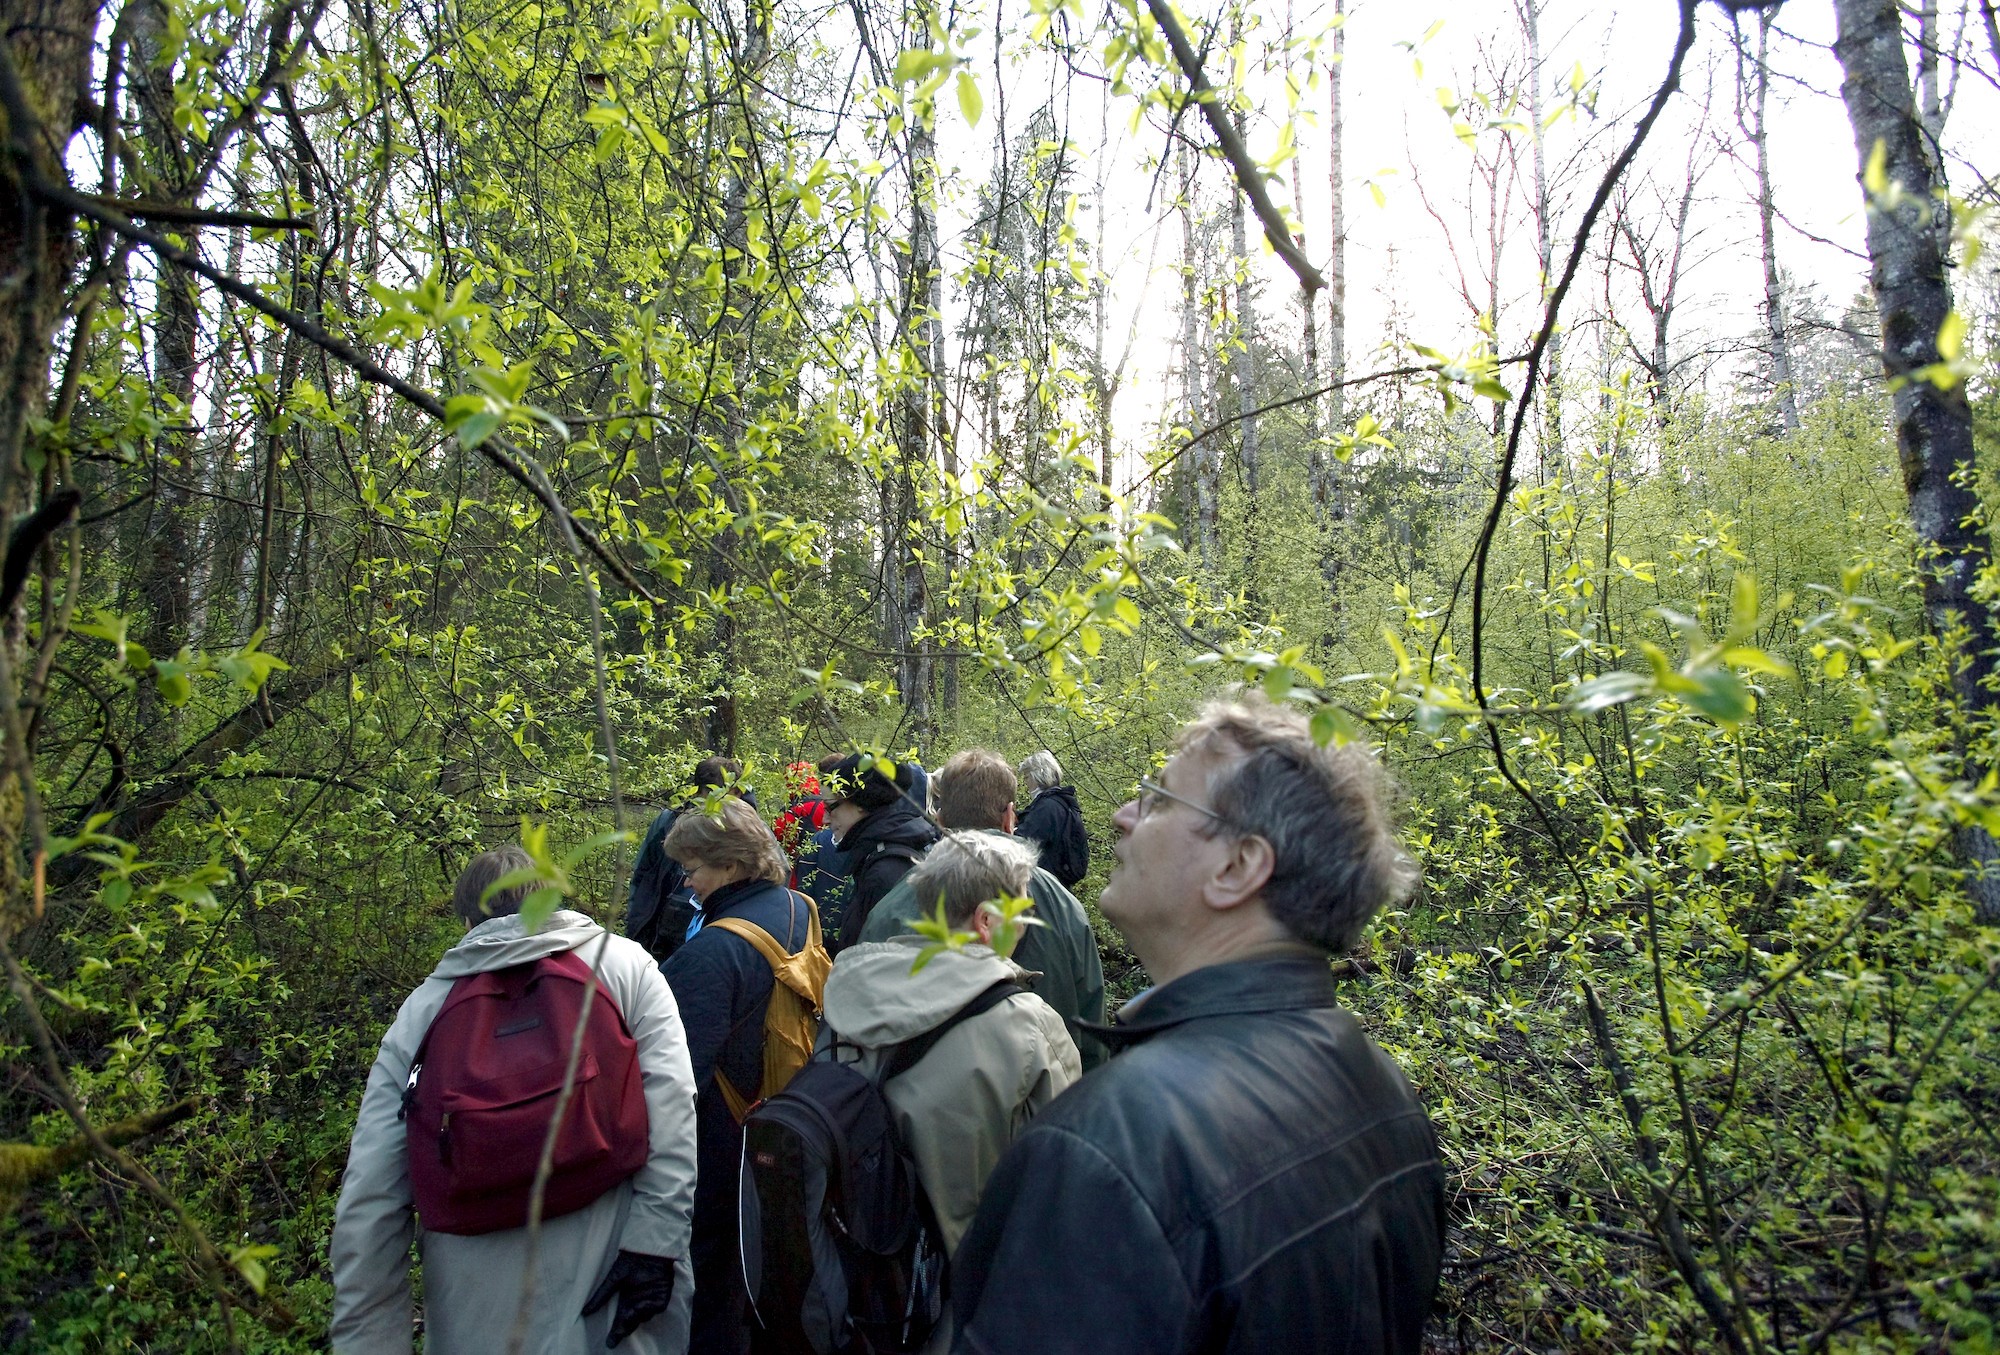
(1150, 793)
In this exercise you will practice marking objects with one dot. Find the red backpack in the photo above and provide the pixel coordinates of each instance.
(485, 1082)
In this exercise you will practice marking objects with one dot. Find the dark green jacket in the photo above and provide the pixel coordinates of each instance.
(1063, 951)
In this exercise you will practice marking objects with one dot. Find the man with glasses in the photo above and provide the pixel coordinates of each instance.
(1250, 1173)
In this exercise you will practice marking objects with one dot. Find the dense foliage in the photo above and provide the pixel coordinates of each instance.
(1694, 987)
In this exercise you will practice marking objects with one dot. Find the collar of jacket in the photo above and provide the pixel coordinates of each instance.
(732, 894)
(1289, 977)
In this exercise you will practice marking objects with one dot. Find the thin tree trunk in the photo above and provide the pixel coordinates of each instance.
(1329, 495)
(1906, 250)
(1246, 383)
(1774, 298)
(918, 324)
(1544, 213)
(722, 718)
(1206, 458)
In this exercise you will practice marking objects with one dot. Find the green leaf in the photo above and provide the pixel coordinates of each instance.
(1875, 175)
(1951, 336)
(477, 428)
(969, 101)
(1608, 690)
(172, 678)
(1720, 695)
(249, 1263)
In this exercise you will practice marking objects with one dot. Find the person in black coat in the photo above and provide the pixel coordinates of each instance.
(1053, 820)
(881, 828)
(1252, 1173)
(722, 985)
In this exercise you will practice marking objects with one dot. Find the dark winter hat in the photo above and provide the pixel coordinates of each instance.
(869, 789)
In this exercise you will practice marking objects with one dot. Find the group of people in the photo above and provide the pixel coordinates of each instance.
(1229, 1164)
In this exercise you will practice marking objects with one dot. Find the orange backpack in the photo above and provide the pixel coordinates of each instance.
(791, 1021)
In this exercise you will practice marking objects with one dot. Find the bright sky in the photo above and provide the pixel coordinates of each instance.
(1398, 135)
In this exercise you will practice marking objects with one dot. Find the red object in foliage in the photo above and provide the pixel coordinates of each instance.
(805, 815)
(486, 1081)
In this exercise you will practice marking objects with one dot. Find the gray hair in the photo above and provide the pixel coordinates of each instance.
(479, 875)
(969, 868)
(1039, 772)
(1324, 810)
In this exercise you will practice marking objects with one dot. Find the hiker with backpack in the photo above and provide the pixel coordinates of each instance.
(1250, 1173)
(881, 826)
(866, 1170)
(1053, 820)
(975, 790)
(748, 985)
(660, 909)
(451, 1131)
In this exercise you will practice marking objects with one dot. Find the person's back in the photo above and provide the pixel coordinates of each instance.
(723, 985)
(1252, 1153)
(958, 1109)
(975, 790)
(605, 1265)
(1062, 950)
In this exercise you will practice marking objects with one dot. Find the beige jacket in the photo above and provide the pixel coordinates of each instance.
(472, 1285)
(959, 1109)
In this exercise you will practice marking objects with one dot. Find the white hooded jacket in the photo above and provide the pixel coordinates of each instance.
(472, 1285)
(960, 1107)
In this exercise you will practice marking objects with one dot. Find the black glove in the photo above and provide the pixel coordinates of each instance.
(643, 1286)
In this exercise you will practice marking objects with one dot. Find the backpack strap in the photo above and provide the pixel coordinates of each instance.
(900, 850)
(767, 945)
(910, 1053)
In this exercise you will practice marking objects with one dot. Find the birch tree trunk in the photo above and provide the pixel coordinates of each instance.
(1329, 497)
(1246, 382)
(1774, 299)
(1544, 214)
(1207, 460)
(918, 332)
(1906, 251)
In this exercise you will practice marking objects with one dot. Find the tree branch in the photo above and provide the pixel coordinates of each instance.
(1248, 177)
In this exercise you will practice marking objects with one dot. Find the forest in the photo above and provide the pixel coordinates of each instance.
(426, 424)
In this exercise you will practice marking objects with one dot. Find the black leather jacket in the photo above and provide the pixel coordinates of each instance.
(1250, 1174)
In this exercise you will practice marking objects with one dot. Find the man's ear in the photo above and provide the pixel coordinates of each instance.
(1242, 875)
(1009, 820)
(981, 923)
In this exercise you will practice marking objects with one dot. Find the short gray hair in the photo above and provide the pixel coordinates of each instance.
(1324, 810)
(969, 868)
(1040, 771)
(479, 875)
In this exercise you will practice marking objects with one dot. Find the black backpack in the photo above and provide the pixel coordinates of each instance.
(1067, 855)
(841, 1250)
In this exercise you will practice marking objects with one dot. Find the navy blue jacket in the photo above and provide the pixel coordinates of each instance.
(722, 986)
(1251, 1174)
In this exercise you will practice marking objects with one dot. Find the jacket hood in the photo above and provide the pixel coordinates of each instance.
(873, 999)
(1067, 794)
(900, 823)
(500, 942)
